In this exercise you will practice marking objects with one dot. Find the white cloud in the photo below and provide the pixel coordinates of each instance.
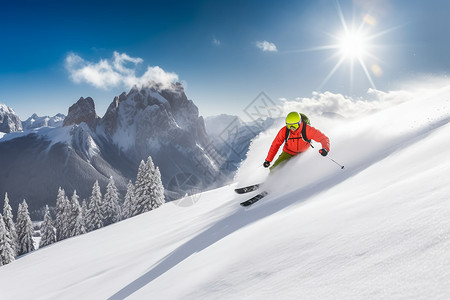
(120, 70)
(348, 107)
(216, 42)
(267, 46)
(121, 59)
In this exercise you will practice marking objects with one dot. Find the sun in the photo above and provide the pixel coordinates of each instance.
(352, 45)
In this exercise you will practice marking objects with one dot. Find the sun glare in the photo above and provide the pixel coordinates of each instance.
(352, 45)
(355, 45)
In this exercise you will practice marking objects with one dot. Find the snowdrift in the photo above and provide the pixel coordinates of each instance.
(378, 229)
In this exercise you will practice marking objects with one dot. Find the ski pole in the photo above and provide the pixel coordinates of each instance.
(336, 162)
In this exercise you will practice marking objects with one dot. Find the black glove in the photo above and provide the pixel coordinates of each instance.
(266, 164)
(323, 151)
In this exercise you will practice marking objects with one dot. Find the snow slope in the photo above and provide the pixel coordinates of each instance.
(379, 229)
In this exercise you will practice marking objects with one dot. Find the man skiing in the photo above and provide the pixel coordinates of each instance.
(297, 136)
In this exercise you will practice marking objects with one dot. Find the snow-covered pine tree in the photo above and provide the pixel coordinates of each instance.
(24, 229)
(75, 210)
(95, 215)
(62, 215)
(67, 216)
(6, 251)
(129, 202)
(9, 224)
(111, 205)
(157, 190)
(48, 235)
(148, 188)
(141, 189)
(81, 225)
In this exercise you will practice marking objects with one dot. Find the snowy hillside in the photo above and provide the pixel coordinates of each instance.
(378, 229)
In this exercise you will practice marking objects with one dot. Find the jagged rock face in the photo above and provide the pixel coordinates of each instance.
(82, 111)
(9, 121)
(147, 119)
(163, 124)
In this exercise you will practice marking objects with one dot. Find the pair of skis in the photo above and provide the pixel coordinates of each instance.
(248, 189)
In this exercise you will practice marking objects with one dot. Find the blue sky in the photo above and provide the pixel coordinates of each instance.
(224, 52)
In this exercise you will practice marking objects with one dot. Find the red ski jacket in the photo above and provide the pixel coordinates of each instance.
(295, 143)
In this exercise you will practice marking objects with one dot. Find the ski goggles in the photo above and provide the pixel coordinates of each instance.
(293, 126)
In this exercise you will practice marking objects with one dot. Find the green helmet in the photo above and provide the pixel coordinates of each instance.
(293, 120)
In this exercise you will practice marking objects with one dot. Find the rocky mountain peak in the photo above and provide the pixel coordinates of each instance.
(82, 111)
(149, 112)
(161, 123)
(9, 121)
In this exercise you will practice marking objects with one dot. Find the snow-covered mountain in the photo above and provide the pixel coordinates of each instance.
(216, 125)
(162, 124)
(378, 229)
(9, 121)
(35, 121)
(35, 163)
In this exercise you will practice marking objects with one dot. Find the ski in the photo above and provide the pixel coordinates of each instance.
(254, 199)
(247, 189)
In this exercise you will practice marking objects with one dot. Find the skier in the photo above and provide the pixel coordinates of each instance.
(297, 136)
(293, 135)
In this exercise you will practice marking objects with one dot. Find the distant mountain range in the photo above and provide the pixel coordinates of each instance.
(232, 137)
(35, 121)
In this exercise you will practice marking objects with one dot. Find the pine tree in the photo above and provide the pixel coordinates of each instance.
(157, 190)
(24, 229)
(142, 194)
(6, 251)
(81, 225)
(129, 202)
(75, 210)
(62, 215)
(9, 224)
(149, 190)
(48, 235)
(67, 218)
(111, 206)
(95, 215)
